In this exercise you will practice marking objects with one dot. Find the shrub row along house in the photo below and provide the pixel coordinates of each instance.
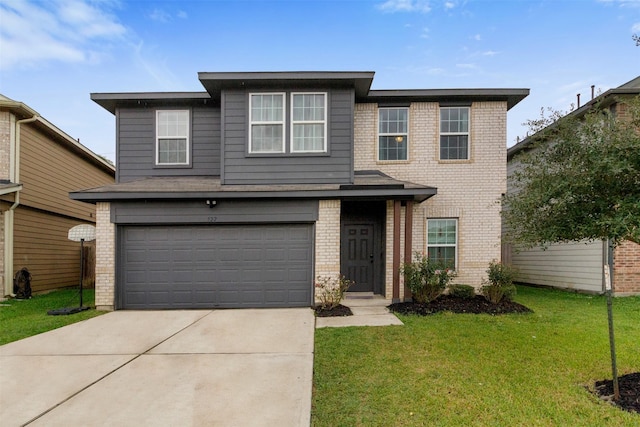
(39, 166)
(244, 193)
(578, 265)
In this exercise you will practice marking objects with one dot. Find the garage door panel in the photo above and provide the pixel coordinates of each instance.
(216, 266)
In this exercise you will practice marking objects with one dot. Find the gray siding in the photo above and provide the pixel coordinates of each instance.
(334, 167)
(135, 136)
(225, 212)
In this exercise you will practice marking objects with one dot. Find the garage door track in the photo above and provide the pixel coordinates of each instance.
(246, 367)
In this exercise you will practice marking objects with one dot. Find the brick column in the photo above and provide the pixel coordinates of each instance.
(327, 257)
(105, 258)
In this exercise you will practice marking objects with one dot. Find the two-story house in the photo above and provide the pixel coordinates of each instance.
(241, 195)
(39, 165)
(578, 265)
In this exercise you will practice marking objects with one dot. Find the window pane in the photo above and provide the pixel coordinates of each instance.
(454, 147)
(267, 108)
(308, 107)
(308, 137)
(266, 138)
(172, 124)
(172, 151)
(446, 255)
(393, 125)
(390, 149)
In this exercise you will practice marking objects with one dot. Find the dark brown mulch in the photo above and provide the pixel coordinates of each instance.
(629, 386)
(337, 311)
(476, 305)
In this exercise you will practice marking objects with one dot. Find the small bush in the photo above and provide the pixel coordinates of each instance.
(426, 279)
(462, 291)
(330, 290)
(499, 285)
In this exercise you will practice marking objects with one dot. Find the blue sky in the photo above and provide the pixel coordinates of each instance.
(54, 53)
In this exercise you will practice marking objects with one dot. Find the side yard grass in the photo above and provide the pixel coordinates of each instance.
(464, 369)
(24, 318)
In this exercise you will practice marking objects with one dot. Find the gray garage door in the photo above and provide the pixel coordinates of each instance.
(215, 266)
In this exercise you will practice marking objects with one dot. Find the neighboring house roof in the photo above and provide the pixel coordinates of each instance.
(7, 187)
(361, 81)
(23, 111)
(370, 184)
(609, 97)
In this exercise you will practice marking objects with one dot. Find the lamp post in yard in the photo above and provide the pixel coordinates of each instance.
(612, 341)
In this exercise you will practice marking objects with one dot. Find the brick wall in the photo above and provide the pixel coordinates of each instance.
(105, 258)
(626, 272)
(327, 252)
(468, 190)
(6, 127)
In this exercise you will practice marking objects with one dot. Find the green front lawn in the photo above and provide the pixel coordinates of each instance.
(24, 318)
(464, 369)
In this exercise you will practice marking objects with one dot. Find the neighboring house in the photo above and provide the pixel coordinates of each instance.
(39, 165)
(578, 265)
(241, 195)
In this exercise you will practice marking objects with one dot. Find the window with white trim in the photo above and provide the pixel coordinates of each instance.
(454, 133)
(267, 121)
(393, 133)
(172, 137)
(442, 241)
(308, 122)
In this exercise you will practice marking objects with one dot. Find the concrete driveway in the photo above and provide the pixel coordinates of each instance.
(164, 368)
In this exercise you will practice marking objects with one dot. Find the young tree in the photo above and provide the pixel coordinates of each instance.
(579, 180)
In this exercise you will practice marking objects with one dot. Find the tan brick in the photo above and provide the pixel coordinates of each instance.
(105, 258)
(467, 190)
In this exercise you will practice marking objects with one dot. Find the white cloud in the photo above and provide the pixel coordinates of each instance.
(477, 37)
(448, 5)
(58, 30)
(425, 33)
(160, 15)
(490, 53)
(182, 14)
(636, 27)
(405, 6)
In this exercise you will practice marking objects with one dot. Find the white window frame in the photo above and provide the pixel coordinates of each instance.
(160, 137)
(405, 135)
(308, 122)
(281, 122)
(446, 245)
(467, 133)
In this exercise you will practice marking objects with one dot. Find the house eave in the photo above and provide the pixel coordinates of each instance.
(511, 96)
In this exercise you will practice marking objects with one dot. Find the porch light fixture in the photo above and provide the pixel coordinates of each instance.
(211, 203)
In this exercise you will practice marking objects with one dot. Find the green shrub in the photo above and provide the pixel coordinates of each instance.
(499, 285)
(330, 290)
(426, 279)
(462, 291)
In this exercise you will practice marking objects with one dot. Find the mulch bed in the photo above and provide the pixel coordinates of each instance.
(629, 386)
(476, 305)
(337, 311)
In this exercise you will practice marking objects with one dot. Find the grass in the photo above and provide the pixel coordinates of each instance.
(464, 369)
(24, 318)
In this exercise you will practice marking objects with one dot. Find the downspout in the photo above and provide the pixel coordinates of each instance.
(14, 177)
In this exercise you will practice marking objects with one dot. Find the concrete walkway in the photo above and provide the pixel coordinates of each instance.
(367, 309)
(171, 368)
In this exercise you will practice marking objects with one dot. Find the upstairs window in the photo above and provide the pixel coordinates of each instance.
(266, 116)
(172, 137)
(454, 133)
(442, 241)
(308, 122)
(393, 133)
